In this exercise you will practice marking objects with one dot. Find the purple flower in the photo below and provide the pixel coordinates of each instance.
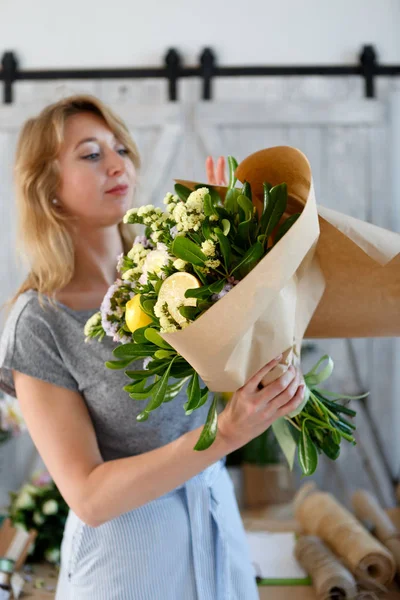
(112, 315)
(120, 262)
(227, 288)
(142, 239)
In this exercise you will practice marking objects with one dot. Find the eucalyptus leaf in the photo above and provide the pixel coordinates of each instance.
(224, 246)
(308, 455)
(182, 191)
(133, 350)
(209, 431)
(230, 203)
(118, 364)
(155, 338)
(188, 251)
(159, 390)
(250, 259)
(226, 226)
(284, 228)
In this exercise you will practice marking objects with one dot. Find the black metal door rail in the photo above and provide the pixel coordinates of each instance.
(172, 70)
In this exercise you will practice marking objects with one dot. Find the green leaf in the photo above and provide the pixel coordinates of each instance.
(285, 439)
(250, 259)
(140, 373)
(278, 197)
(161, 354)
(174, 389)
(143, 394)
(189, 312)
(210, 428)
(193, 394)
(188, 251)
(232, 166)
(200, 275)
(159, 390)
(201, 292)
(308, 455)
(330, 446)
(138, 335)
(230, 203)
(133, 350)
(225, 247)
(209, 206)
(206, 229)
(118, 364)
(182, 191)
(155, 338)
(143, 416)
(284, 228)
(247, 206)
(217, 286)
(246, 190)
(226, 226)
(215, 197)
(148, 306)
(139, 386)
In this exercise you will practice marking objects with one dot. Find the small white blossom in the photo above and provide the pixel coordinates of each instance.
(52, 555)
(50, 507)
(179, 264)
(38, 519)
(155, 260)
(92, 323)
(208, 248)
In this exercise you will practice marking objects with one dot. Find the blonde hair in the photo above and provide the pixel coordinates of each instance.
(44, 235)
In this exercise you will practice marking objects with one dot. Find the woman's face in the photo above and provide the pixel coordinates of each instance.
(97, 176)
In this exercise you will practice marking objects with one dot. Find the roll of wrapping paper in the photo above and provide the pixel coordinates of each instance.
(367, 508)
(320, 514)
(331, 580)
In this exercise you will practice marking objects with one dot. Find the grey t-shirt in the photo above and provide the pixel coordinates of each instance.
(49, 344)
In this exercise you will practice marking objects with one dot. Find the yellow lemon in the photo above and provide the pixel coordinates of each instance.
(135, 317)
(172, 293)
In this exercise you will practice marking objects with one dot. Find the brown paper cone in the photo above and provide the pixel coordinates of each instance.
(331, 580)
(321, 515)
(268, 312)
(366, 508)
(359, 261)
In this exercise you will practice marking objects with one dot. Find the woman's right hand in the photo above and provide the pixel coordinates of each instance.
(251, 410)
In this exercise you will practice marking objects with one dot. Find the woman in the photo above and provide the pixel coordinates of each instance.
(149, 518)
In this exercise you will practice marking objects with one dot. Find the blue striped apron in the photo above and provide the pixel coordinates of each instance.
(189, 544)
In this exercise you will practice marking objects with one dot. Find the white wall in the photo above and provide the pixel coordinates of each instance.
(77, 33)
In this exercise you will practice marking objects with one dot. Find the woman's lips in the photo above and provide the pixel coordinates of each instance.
(118, 190)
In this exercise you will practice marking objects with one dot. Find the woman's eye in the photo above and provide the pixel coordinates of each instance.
(123, 151)
(91, 156)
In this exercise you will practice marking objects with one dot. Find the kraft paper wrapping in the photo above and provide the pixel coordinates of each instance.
(320, 514)
(367, 509)
(329, 276)
(331, 579)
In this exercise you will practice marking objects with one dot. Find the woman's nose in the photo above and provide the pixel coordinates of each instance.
(115, 163)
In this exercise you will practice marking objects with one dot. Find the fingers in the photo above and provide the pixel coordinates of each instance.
(252, 384)
(210, 170)
(277, 404)
(293, 403)
(220, 173)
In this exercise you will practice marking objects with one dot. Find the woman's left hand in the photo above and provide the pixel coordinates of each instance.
(216, 176)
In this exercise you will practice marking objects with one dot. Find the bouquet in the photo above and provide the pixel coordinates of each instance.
(11, 420)
(39, 505)
(216, 287)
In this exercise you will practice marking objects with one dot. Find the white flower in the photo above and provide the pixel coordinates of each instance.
(213, 264)
(131, 211)
(38, 519)
(25, 499)
(208, 248)
(128, 274)
(179, 264)
(92, 323)
(50, 507)
(155, 260)
(52, 555)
